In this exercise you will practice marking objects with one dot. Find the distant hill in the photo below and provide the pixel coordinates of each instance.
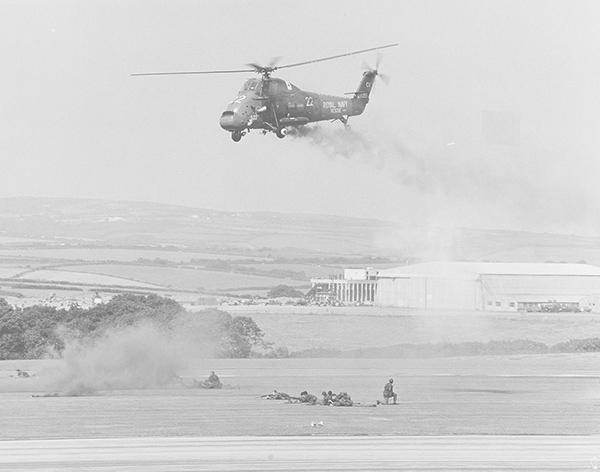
(103, 223)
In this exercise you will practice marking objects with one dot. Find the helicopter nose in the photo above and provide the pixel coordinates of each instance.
(231, 122)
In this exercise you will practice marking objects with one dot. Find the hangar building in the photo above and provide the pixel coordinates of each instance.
(488, 286)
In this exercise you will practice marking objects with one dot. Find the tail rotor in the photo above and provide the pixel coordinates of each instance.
(384, 77)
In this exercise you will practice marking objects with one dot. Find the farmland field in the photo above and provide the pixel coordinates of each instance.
(7, 240)
(590, 254)
(7, 272)
(309, 270)
(73, 277)
(114, 254)
(189, 279)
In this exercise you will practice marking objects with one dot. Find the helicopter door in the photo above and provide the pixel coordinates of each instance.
(277, 94)
(296, 105)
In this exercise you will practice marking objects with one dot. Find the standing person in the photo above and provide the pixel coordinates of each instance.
(388, 392)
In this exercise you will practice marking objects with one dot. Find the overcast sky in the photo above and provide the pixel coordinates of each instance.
(491, 118)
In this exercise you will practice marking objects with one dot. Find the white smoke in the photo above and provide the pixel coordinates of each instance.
(136, 357)
(140, 356)
(476, 185)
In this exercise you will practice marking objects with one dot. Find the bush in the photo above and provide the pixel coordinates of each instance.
(284, 291)
(578, 345)
(231, 337)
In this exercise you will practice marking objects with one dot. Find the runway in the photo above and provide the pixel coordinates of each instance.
(498, 453)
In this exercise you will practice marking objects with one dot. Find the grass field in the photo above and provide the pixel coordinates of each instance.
(347, 328)
(551, 394)
(487, 413)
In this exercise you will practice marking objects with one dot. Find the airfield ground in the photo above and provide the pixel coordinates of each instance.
(537, 412)
(527, 412)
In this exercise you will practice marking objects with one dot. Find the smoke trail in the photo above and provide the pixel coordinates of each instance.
(477, 185)
(338, 141)
(425, 168)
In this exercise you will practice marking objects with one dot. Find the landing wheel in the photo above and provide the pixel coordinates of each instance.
(236, 136)
(281, 132)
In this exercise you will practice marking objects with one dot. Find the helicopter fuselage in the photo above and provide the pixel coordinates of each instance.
(275, 104)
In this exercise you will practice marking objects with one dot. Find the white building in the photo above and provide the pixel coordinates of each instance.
(355, 286)
(489, 286)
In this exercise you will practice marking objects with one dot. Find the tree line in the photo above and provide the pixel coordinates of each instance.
(34, 332)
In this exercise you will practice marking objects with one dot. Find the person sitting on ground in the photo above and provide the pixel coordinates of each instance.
(308, 398)
(388, 392)
(213, 381)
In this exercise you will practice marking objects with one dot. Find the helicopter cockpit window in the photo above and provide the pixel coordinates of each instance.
(250, 85)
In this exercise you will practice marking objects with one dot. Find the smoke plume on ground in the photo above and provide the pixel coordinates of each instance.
(140, 356)
(136, 357)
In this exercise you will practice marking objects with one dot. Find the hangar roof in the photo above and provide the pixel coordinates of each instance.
(536, 298)
(472, 270)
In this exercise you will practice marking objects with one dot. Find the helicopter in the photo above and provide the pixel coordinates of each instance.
(275, 105)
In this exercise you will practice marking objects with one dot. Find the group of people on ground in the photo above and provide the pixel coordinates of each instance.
(330, 398)
(22, 374)
(336, 399)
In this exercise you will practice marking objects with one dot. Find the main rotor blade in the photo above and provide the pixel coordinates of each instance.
(274, 61)
(258, 67)
(196, 72)
(335, 57)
